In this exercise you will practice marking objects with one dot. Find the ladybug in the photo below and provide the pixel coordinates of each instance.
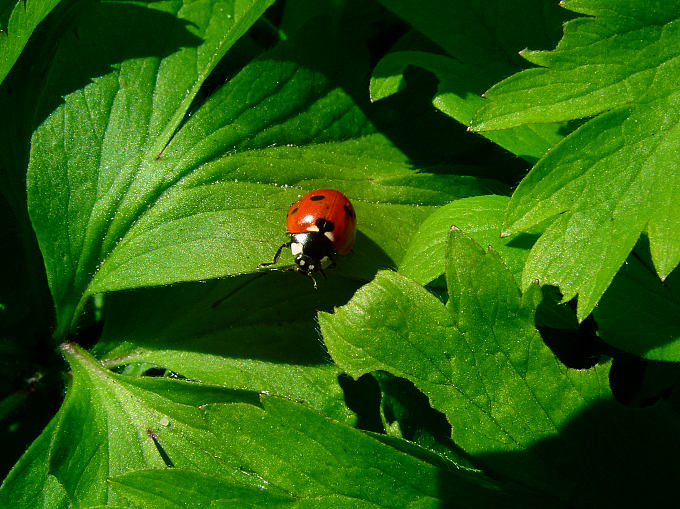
(321, 224)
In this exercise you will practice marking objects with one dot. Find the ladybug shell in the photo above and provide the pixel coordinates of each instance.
(327, 211)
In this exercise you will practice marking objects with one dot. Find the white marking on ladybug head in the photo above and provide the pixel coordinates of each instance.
(325, 262)
(330, 236)
(296, 248)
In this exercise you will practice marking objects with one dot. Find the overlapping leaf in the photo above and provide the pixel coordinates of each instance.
(112, 423)
(480, 43)
(481, 217)
(203, 331)
(510, 402)
(304, 459)
(95, 162)
(617, 175)
(30, 484)
(120, 200)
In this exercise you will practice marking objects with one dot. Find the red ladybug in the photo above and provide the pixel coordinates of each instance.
(321, 224)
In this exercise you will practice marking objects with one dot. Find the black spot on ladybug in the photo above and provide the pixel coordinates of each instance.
(317, 197)
(293, 211)
(349, 212)
(324, 225)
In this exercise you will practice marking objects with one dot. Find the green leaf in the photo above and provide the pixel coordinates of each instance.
(511, 404)
(16, 30)
(112, 423)
(209, 200)
(322, 461)
(176, 487)
(256, 333)
(620, 54)
(479, 216)
(95, 162)
(304, 459)
(640, 314)
(614, 177)
(30, 484)
(480, 42)
(466, 376)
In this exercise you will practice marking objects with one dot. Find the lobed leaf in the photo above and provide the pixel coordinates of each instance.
(621, 53)
(110, 424)
(479, 216)
(479, 44)
(615, 176)
(512, 405)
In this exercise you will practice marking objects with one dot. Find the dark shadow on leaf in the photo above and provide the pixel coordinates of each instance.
(161, 450)
(577, 349)
(365, 260)
(569, 127)
(482, 44)
(606, 456)
(426, 434)
(435, 142)
(362, 396)
(85, 51)
(640, 382)
(437, 287)
(430, 139)
(77, 43)
(404, 403)
(638, 312)
(268, 316)
(524, 240)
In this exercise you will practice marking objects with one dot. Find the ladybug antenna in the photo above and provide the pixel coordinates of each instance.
(311, 276)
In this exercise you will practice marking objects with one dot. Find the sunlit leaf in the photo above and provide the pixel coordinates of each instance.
(475, 46)
(615, 177)
(120, 199)
(511, 404)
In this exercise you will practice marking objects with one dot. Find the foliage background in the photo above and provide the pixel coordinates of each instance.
(505, 331)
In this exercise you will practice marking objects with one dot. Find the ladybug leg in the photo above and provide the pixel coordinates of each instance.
(314, 280)
(331, 266)
(276, 256)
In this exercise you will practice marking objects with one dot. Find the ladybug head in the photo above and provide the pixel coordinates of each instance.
(306, 263)
(313, 251)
